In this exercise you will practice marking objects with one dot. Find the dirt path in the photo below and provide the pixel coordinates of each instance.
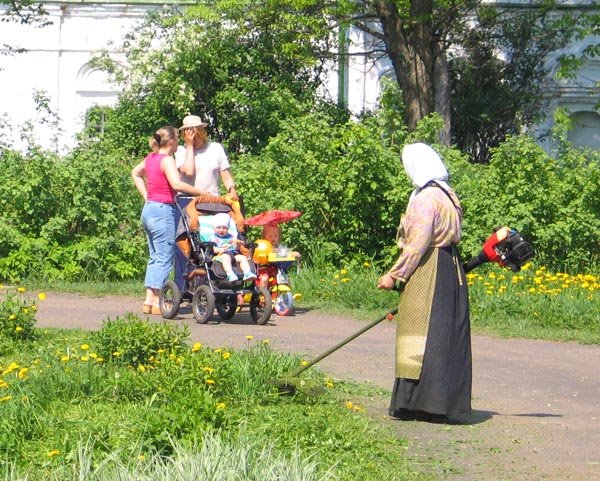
(536, 404)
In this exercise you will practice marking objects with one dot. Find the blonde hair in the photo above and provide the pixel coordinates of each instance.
(201, 134)
(162, 137)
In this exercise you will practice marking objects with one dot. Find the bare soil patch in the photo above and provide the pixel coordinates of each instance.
(536, 403)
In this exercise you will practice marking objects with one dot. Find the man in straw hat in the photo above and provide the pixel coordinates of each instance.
(202, 162)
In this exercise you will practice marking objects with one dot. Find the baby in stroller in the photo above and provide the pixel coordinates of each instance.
(209, 226)
(226, 248)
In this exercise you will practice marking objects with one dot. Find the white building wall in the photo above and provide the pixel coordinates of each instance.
(58, 56)
(57, 62)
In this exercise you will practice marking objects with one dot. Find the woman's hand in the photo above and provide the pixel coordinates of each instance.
(386, 282)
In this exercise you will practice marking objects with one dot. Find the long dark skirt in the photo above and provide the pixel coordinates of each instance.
(443, 385)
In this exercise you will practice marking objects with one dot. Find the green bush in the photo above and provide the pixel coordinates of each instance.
(553, 202)
(131, 341)
(17, 315)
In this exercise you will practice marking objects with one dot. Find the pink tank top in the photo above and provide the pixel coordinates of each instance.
(159, 189)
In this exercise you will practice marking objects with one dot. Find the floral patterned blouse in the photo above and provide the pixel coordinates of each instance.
(431, 220)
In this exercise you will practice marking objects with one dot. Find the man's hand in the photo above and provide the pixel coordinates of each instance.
(188, 137)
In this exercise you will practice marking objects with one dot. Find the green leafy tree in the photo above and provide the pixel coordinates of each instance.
(245, 66)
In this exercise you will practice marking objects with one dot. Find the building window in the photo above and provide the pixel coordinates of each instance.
(95, 121)
(585, 130)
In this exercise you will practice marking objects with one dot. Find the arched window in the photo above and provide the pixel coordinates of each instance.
(93, 89)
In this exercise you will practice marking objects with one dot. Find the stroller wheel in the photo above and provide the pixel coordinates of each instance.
(170, 299)
(203, 304)
(284, 303)
(227, 307)
(261, 305)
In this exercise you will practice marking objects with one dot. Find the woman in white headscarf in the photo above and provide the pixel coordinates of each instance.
(433, 339)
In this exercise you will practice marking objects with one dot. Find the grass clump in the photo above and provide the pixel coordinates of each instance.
(169, 409)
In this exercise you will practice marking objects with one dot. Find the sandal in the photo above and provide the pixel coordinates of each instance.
(147, 309)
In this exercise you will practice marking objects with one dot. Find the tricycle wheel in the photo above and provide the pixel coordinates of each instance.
(284, 303)
(227, 307)
(169, 300)
(261, 305)
(203, 304)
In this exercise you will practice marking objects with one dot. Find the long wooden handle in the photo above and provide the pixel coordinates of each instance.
(389, 316)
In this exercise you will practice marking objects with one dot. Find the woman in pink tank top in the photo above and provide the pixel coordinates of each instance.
(157, 180)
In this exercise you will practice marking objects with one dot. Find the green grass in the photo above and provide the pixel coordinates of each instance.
(67, 407)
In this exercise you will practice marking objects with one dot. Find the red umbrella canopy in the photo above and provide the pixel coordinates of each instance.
(272, 217)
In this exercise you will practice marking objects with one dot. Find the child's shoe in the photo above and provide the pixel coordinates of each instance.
(231, 277)
(249, 276)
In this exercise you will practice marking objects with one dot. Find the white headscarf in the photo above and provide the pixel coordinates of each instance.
(422, 165)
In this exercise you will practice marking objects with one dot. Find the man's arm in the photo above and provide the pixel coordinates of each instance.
(229, 183)
(188, 168)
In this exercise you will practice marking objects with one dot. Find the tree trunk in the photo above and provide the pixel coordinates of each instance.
(418, 60)
(441, 82)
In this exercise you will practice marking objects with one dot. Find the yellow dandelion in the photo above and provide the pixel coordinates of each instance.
(141, 368)
(5, 398)
(226, 355)
(25, 310)
(366, 264)
(84, 358)
(22, 373)
(208, 370)
(3, 384)
(249, 337)
(21, 290)
(343, 271)
(196, 347)
(42, 296)
(220, 406)
(328, 383)
(345, 279)
(266, 341)
(93, 355)
(116, 354)
(18, 329)
(218, 350)
(141, 457)
(304, 362)
(64, 358)
(337, 276)
(210, 381)
(54, 452)
(349, 404)
(160, 351)
(12, 317)
(84, 347)
(13, 366)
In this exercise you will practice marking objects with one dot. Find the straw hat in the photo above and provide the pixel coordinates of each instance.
(190, 121)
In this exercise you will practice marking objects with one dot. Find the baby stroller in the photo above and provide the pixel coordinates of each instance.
(206, 284)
